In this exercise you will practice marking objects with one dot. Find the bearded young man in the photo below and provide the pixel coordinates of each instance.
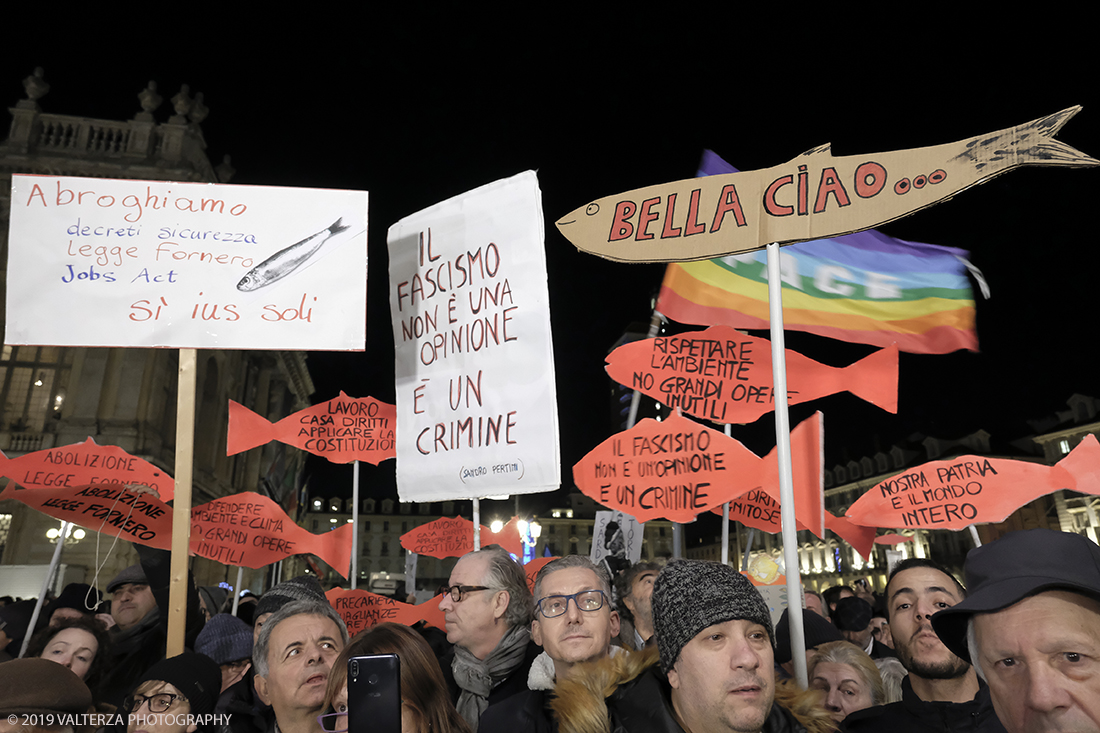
(941, 691)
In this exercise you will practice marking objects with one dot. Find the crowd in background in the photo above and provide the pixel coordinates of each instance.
(682, 647)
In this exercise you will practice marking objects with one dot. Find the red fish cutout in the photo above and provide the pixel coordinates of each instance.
(250, 529)
(130, 515)
(86, 464)
(343, 430)
(725, 376)
(362, 609)
(454, 537)
(892, 539)
(959, 492)
(676, 469)
(531, 570)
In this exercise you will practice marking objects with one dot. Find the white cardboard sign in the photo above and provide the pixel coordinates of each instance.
(616, 534)
(476, 400)
(98, 262)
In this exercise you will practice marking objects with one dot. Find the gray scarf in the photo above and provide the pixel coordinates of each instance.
(477, 677)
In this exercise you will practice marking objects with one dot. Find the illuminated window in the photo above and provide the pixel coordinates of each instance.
(33, 380)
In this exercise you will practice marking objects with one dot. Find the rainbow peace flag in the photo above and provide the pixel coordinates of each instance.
(866, 287)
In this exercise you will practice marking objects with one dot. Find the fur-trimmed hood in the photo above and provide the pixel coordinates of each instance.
(581, 702)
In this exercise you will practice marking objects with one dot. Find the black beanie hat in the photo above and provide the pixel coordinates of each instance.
(196, 676)
(818, 631)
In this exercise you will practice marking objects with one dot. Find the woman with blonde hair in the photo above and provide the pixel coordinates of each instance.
(425, 703)
(848, 678)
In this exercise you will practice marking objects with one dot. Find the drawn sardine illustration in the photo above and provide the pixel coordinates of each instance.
(286, 261)
(814, 196)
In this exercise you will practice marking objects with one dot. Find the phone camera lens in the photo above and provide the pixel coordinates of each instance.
(354, 668)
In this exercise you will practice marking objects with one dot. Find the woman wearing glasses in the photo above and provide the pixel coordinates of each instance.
(425, 703)
(173, 694)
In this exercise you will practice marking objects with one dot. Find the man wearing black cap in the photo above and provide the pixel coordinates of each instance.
(1031, 627)
(853, 618)
(941, 691)
(715, 642)
(139, 606)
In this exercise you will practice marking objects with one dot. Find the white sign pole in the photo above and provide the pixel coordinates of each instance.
(726, 523)
(783, 449)
(355, 524)
(477, 524)
(66, 527)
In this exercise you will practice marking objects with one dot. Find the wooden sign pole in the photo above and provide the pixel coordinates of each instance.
(181, 506)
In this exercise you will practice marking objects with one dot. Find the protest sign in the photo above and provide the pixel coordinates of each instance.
(362, 609)
(725, 376)
(893, 539)
(344, 429)
(956, 493)
(251, 530)
(454, 537)
(85, 464)
(476, 401)
(131, 515)
(676, 469)
(98, 262)
(813, 196)
(619, 536)
(759, 510)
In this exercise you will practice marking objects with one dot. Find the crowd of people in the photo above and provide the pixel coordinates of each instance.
(683, 647)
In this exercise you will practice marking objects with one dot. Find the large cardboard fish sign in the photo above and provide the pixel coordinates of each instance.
(759, 509)
(251, 530)
(725, 376)
(676, 469)
(130, 514)
(454, 537)
(343, 430)
(362, 609)
(967, 490)
(86, 464)
(814, 196)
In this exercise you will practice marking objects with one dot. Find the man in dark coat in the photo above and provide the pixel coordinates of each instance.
(941, 692)
(139, 606)
(487, 610)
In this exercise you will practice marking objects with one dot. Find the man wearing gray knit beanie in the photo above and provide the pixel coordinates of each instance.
(717, 669)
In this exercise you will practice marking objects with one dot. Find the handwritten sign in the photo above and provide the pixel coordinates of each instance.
(454, 537)
(813, 196)
(344, 429)
(117, 512)
(676, 469)
(759, 510)
(96, 262)
(617, 535)
(725, 376)
(476, 400)
(956, 493)
(83, 465)
(362, 609)
(251, 530)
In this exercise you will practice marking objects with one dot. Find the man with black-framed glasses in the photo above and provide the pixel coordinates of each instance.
(487, 609)
(574, 623)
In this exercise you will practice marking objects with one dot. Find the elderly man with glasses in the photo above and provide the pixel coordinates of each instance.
(487, 609)
(574, 623)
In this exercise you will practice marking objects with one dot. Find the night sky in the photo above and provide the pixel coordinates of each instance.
(420, 108)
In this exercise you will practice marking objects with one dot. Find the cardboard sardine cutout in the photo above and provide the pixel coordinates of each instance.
(244, 529)
(251, 530)
(725, 376)
(814, 196)
(454, 537)
(362, 609)
(676, 469)
(86, 464)
(344, 429)
(759, 510)
(956, 493)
